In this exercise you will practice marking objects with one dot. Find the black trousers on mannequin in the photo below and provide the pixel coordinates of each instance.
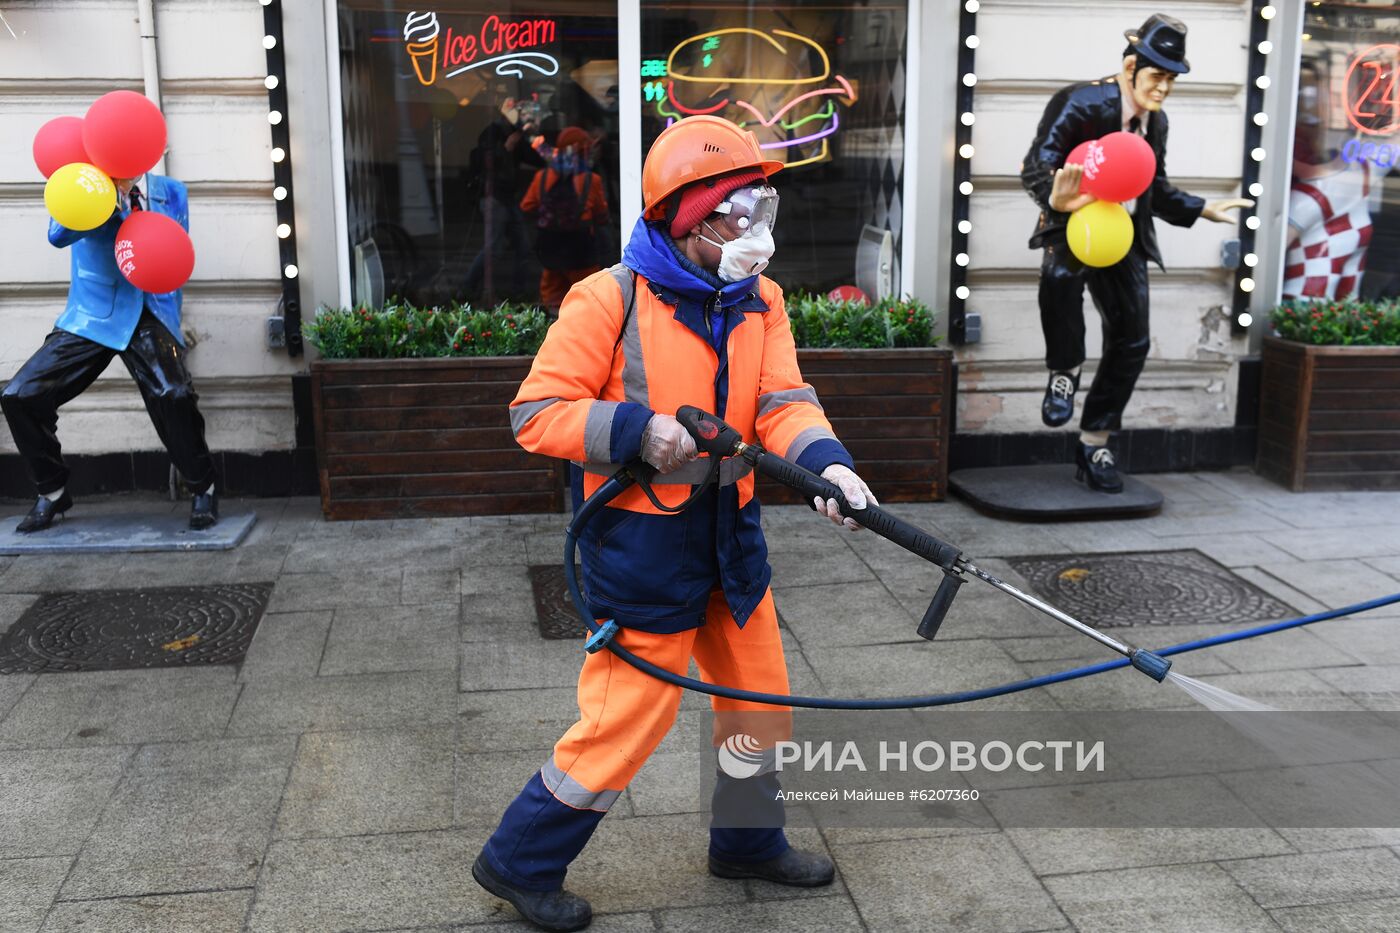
(1120, 293)
(66, 365)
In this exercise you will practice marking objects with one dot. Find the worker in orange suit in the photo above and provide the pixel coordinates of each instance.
(685, 319)
(567, 200)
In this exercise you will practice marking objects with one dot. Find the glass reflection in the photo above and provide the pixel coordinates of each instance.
(1344, 199)
(480, 148)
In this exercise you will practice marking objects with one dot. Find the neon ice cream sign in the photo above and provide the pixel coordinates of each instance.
(506, 45)
(420, 36)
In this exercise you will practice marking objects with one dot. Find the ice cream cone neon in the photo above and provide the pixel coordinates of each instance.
(420, 36)
(424, 55)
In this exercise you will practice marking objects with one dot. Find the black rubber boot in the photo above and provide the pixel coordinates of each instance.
(1096, 466)
(793, 868)
(549, 910)
(43, 513)
(1058, 405)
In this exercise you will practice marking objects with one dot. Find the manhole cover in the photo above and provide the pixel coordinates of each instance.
(1148, 588)
(554, 610)
(102, 630)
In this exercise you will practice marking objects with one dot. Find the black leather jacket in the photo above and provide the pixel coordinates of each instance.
(1087, 111)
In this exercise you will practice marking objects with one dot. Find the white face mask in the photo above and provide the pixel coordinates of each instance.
(744, 256)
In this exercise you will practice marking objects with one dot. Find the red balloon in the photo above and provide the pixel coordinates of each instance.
(124, 134)
(1079, 153)
(1119, 167)
(154, 252)
(848, 293)
(59, 142)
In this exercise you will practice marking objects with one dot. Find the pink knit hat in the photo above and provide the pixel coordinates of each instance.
(700, 200)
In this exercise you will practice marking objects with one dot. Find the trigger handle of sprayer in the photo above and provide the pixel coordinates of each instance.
(711, 434)
(940, 604)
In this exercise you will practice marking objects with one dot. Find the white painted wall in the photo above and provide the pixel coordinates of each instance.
(1029, 49)
(212, 68)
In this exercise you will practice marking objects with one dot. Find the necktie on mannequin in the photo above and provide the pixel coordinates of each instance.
(1135, 127)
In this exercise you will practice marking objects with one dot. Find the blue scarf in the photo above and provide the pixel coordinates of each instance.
(653, 253)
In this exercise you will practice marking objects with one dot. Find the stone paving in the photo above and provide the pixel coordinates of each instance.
(398, 693)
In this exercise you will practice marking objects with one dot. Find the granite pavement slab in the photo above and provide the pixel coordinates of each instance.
(192, 816)
(27, 888)
(362, 782)
(968, 883)
(204, 911)
(1163, 899)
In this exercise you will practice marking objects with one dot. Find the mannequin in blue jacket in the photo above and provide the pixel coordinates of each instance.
(107, 316)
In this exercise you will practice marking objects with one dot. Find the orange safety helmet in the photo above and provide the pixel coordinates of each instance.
(692, 150)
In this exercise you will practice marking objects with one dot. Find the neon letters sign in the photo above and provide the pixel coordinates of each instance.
(1373, 90)
(774, 105)
(1385, 156)
(509, 46)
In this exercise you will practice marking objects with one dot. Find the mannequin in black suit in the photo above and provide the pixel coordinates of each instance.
(1131, 100)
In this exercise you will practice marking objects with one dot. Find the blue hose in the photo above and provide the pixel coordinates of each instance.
(607, 492)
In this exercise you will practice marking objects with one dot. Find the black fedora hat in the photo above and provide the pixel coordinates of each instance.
(1160, 41)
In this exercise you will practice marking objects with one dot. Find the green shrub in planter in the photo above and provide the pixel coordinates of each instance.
(820, 322)
(399, 330)
(1350, 322)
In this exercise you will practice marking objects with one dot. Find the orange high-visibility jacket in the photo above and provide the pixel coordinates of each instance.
(597, 380)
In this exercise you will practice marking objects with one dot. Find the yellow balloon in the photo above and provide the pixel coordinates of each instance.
(80, 196)
(1100, 233)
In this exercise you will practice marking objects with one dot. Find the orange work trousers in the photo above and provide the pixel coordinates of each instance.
(624, 713)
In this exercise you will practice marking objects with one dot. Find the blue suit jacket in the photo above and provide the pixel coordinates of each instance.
(102, 305)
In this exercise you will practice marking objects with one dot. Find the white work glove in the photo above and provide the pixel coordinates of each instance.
(666, 445)
(858, 495)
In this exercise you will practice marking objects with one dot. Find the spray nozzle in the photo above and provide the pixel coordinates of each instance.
(1153, 665)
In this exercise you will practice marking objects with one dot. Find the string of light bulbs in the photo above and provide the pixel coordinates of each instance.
(1256, 119)
(276, 83)
(958, 290)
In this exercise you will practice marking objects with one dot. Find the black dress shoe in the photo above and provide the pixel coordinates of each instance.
(1097, 467)
(204, 510)
(793, 868)
(43, 513)
(556, 910)
(1058, 406)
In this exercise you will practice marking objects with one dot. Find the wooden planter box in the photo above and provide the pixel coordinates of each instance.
(891, 409)
(1329, 417)
(413, 438)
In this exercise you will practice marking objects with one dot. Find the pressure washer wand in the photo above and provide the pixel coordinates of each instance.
(718, 439)
(1153, 665)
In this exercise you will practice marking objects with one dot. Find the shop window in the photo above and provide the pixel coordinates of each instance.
(450, 113)
(822, 86)
(1344, 202)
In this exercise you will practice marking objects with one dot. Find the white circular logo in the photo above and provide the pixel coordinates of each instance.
(741, 756)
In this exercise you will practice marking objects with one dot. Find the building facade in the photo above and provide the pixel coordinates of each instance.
(415, 129)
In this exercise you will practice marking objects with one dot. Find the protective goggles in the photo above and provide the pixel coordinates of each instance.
(751, 208)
